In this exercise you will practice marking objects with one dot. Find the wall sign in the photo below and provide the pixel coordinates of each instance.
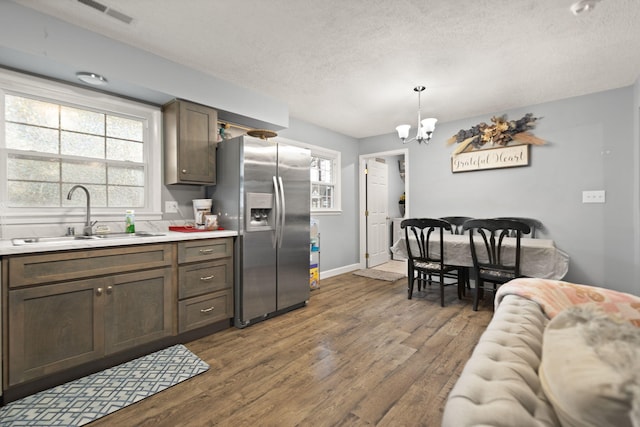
(491, 158)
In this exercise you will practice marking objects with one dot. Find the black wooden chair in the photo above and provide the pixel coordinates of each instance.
(456, 223)
(426, 256)
(533, 224)
(487, 240)
(456, 228)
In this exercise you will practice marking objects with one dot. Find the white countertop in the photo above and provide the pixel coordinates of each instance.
(8, 248)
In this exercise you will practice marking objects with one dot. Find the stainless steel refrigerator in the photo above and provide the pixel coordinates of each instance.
(262, 191)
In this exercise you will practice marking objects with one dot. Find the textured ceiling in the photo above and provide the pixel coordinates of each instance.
(351, 65)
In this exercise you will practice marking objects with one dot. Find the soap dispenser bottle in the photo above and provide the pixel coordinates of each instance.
(130, 221)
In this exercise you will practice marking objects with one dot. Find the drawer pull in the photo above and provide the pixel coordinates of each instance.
(206, 251)
(206, 310)
(204, 279)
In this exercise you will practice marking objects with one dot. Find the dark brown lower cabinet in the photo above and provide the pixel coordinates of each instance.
(81, 309)
(58, 326)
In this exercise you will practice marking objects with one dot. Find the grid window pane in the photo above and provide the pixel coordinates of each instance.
(119, 127)
(128, 175)
(322, 196)
(324, 167)
(87, 173)
(82, 120)
(29, 169)
(33, 194)
(70, 144)
(31, 138)
(322, 185)
(126, 197)
(31, 111)
(118, 149)
(98, 194)
(79, 144)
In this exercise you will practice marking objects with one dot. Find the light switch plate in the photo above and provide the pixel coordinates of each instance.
(596, 196)
(171, 207)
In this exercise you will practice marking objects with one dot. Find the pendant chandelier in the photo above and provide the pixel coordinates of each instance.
(425, 127)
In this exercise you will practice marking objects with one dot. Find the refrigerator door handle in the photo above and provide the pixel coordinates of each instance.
(283, 211)
(278, 210)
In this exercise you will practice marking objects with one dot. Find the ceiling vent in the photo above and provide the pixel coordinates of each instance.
(109, 11)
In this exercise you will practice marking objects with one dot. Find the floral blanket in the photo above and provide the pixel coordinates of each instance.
(553, 296)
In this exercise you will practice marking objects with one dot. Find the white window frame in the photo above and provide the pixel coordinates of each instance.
(19, 84)
(336, 158)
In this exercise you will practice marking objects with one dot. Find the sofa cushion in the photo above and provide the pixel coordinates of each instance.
(590, 369)
(499, 385)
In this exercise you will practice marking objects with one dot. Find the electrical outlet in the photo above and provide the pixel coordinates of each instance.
(171, 207)
(593, 196)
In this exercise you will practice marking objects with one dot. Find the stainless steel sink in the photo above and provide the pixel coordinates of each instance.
(62, 239)
(123, 235)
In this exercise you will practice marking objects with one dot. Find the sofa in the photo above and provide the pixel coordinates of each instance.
(554, 354)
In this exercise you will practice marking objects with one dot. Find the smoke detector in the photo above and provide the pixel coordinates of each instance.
(582, 6)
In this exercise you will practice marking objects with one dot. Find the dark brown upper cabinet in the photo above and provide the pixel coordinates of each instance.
(190, 139)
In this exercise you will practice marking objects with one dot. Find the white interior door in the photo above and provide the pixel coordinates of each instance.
(377, 207)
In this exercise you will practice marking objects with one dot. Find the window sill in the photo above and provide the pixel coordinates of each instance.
(327, 212)
(73, 217)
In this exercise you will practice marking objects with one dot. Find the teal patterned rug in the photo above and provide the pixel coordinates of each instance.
(84, 400)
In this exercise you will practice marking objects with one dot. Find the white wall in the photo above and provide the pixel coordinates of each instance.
(591, 146)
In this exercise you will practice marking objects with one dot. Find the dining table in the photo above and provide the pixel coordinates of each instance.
(538, 257)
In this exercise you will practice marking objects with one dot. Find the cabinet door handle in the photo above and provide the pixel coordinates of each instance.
(206, 251)
(99, 292)
(184, 171)
(204, 279)
(206, 310)
(109, 290)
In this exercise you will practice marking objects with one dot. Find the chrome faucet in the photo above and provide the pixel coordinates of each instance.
(88, 225)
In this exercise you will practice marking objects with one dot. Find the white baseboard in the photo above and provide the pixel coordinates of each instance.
(337, 271)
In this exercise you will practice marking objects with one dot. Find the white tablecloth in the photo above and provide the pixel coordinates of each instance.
(539, 257)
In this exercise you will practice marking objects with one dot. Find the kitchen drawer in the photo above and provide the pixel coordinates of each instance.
(205, 277)
(30, 269)
(203, 310)
(204, 250)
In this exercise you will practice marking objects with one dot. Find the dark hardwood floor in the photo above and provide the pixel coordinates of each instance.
(359, 354)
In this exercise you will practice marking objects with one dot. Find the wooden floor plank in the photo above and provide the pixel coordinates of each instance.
(359, 354)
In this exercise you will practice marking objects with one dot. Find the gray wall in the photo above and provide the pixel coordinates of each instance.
(42, 44)
(338, 232)
(636, 178)
(592, 145)
(396, 185)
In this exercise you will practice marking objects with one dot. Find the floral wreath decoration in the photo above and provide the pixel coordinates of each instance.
(501, 132)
